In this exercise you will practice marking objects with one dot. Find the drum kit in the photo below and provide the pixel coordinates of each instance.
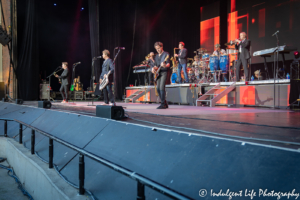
(209, 66)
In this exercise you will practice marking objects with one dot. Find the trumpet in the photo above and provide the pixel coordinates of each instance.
(234, 41)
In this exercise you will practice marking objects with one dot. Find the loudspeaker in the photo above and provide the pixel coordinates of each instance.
(4, 38)
(110, 112)
(44, 104)
(2, 90)
(4, 99)
(19, 101)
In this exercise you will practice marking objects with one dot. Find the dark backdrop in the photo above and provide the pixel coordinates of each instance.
(63, 32)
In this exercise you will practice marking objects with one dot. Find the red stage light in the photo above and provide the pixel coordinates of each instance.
(296, 53)
(253, 20)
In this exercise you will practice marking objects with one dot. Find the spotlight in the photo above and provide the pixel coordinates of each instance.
(82, 8)
(55, 4)
(296, 54)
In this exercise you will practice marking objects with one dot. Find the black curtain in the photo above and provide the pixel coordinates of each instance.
(28, 68)
(137, 25)
(94, 35)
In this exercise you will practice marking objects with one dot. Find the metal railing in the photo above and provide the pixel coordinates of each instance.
(141, 180)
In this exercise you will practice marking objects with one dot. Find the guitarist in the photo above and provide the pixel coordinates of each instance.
(64, 82)
(106, 67)
(162, 60)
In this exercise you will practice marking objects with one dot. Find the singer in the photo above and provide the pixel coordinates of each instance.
(64, 82)
(243, 47)
(106, 67)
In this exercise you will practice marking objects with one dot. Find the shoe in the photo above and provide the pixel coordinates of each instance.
(112, 104)
(162, 107)
(104, 104)
(63, 101)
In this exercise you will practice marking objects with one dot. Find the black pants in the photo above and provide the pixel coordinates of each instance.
(108, 94)
(244, 62)
(150, 78)
(65, 88)
(160, 86)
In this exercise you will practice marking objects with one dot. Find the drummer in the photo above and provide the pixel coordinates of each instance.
(219, 52)
(197, 66)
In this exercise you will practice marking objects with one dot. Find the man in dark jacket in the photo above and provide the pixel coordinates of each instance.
(182, 60)
(106, 67)
(243, 47)
(64, 82)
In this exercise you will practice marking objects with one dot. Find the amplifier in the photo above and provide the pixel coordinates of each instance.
(44, 91)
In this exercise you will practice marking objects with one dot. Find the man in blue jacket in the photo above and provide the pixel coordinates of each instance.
(106, 67)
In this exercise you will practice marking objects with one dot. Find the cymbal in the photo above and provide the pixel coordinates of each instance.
(202, 50)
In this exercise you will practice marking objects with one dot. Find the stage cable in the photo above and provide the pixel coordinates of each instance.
(12, 174)
(134, 26)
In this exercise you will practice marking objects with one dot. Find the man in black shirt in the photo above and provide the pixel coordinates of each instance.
(64, 82)
(182, 55)
(161, 59)
(106, 67)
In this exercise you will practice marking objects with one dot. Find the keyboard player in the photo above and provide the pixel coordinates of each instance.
(151, 63)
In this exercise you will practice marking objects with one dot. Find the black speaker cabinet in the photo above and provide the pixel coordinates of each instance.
(2, 90)
(44, 104)
(110, 112)
(19, 101)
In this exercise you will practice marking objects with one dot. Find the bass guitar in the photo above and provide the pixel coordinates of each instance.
(156, 73)
(104, 82)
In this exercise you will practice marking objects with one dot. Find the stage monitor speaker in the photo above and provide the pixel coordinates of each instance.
(44, 104)
(19, 101)
(110, 112)
(2, 90)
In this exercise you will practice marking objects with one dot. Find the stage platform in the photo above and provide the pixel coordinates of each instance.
(251, 93)
(267, 126)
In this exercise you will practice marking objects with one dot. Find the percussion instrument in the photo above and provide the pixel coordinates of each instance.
(224, 63)
(205, 57)
(213, 63)
(173, 77)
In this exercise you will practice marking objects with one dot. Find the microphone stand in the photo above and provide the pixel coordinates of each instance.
(50, 80)
(115, 73)
(276, 55)
(92, 82)
(73, 76)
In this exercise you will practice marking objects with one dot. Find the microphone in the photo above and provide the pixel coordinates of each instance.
(123, 48)
(77, 63)
(275, 33)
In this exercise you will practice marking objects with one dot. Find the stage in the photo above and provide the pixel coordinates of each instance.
(277, 127)
(251, 93)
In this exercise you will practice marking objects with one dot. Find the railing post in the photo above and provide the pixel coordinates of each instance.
(81, 174)
(50, 153)
(20, 133)
(5, 128)
(140, 191)
(32, 141)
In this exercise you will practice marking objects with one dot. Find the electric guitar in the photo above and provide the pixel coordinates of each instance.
(156, 73)
(59, 79)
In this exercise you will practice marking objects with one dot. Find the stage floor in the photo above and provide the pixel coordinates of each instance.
(257, 125)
